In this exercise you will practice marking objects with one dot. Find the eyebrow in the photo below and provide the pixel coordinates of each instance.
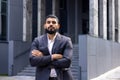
(54, 22)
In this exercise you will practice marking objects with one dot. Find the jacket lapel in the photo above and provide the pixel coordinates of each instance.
(45, 43)
(56, 43)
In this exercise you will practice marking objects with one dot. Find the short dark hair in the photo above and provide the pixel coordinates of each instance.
(52, 16)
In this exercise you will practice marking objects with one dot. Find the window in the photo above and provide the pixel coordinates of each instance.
(3, 19)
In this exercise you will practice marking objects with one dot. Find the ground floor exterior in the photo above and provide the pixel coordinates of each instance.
(22, 20)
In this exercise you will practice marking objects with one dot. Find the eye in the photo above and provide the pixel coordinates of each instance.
(54, 22)
(48, 22)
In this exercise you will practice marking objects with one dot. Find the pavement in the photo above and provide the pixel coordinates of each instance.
(17, 78)
(113, 74)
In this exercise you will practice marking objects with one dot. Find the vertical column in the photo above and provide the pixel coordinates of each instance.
(111, 20)
(0, 18)
(76, 23)
(71, 19)
(103, 18)
(27, 20)
(118, 21)
(93, 17)
(39, 18)
(55, 7)
(10, 58)
(24, 20)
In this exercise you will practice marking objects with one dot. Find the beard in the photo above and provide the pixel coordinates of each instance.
(51, 31)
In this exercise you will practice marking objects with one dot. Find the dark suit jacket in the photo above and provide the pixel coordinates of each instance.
(62, 45)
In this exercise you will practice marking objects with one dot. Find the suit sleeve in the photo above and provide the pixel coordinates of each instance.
(65, 62)
(38, 61)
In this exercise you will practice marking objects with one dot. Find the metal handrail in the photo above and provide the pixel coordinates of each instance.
(22, 53)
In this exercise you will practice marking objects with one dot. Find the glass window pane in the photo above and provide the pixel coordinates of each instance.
(3, 16)
(3, 33)
(3, 7)
(4, 0)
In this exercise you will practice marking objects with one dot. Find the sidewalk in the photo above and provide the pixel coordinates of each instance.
(17, 78)
(110, 75)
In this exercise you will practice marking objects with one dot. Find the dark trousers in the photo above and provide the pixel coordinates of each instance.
(53, 78)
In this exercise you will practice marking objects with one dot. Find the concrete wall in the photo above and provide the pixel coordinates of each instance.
(14, 56)
(18, 56)
(83, 56)
(15, 20)
(3, 57)
(97, 56)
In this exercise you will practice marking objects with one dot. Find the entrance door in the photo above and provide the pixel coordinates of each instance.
(63, 16)
(34, 18)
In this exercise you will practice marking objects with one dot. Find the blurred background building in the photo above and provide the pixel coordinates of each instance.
(93, 25)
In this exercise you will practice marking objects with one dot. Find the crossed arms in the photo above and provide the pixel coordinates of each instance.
(58, 60)
(38, 53)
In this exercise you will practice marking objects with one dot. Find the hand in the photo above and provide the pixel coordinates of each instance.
(37, 53)
(56, 56)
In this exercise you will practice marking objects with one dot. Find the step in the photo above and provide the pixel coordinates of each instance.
(30, 71)
(26, 74)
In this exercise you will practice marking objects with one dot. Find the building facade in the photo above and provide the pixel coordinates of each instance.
(22, 20)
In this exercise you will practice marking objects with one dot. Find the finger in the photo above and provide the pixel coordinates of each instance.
(39, 54)
(34, 55)
(34, 51)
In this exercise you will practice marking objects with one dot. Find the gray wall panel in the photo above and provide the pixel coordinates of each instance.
(20, 56)
(4, 58)
(83, 56)
(15, 19)
(99, 55)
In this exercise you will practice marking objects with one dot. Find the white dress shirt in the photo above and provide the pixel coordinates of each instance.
(50, 46)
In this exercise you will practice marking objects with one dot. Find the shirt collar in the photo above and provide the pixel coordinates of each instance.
(53, 37)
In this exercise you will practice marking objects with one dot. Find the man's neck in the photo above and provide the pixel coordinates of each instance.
(51, 36)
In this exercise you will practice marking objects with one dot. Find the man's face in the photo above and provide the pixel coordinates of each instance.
(51, 25)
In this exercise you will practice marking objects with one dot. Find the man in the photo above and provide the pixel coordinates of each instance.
(51, 53)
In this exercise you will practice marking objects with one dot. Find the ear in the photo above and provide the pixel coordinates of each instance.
(59, 26)
(44, 26)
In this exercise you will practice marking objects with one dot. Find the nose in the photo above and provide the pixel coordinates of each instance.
(51, 23)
